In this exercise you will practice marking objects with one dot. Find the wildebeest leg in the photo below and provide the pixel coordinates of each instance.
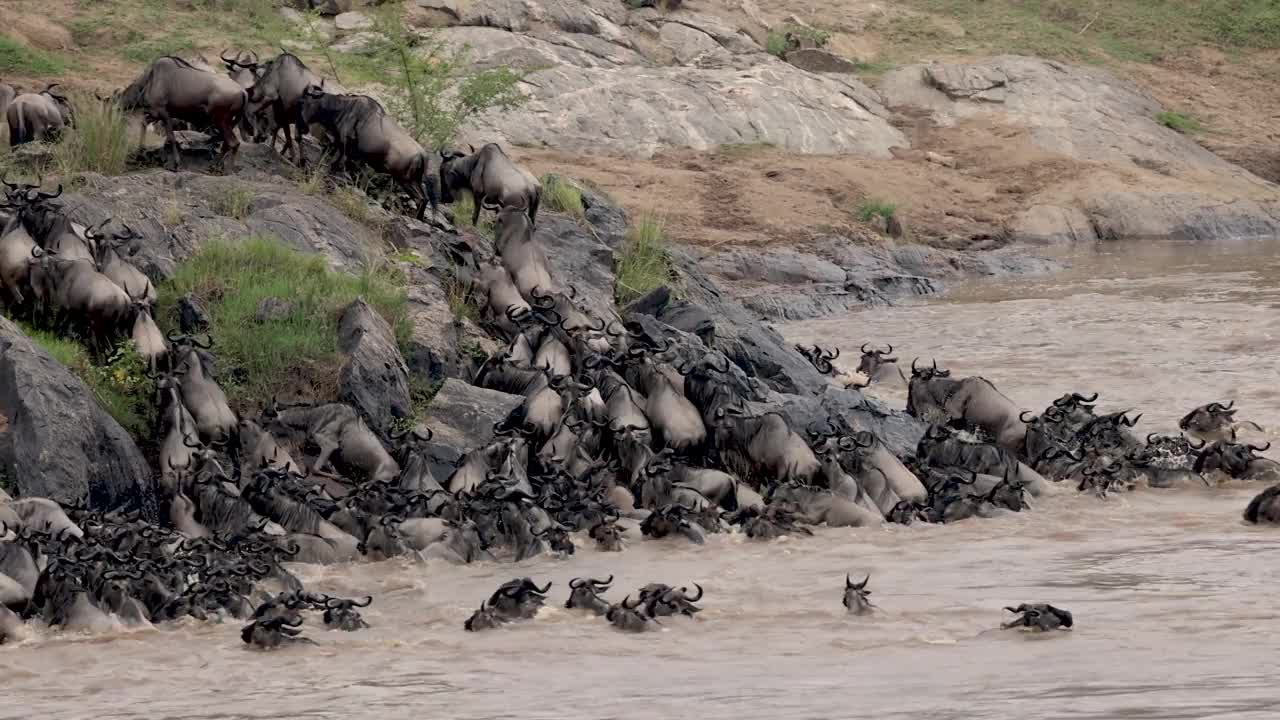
(170, 139)
(326, 450)
(230, 143)
(477, 200)
(533, 208)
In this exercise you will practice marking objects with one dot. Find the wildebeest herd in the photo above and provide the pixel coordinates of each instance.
(623, 433)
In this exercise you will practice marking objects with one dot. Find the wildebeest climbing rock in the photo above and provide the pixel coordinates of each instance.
(59, 443)
(374, 379)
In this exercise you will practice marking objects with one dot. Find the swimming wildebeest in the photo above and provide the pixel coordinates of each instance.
(173, 89)
(1214, 422)
(1039, 616)
(492, 178)
(856, 599)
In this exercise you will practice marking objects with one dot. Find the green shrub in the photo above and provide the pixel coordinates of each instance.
(1181, 122)
(18, 59)
(561, 195)
(783, 40)
(120, 385)
(871, 207)
(645, 263)
(99, 143)
(255, 358)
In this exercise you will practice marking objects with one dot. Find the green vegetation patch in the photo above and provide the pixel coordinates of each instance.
(256, 357)
(1181, 122)
(562, 196)
(645, 263)
(120, 384)
(783, 40)
(18, 59)
(871, 208)
(235, 201)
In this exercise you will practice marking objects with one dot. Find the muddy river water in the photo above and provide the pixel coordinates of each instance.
(1174, 596)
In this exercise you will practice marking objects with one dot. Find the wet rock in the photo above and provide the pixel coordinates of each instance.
(272, 309)
(679, 314)
(580, 258)
(1053, 225)
(820, 61)
(59, 443)
(1181, 216)
(687, 348)
(757, 349)
(352, 21)
(849, 411)
(636, 111)
(462, 417)
(374, 379)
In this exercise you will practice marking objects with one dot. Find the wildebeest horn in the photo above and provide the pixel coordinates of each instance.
(864, 347)
(593, 581)
(1023, 416)
(1197, 447)
(693, 599)
(1130, 423)
(576, 583)
(1082, 398)
(1255, 448)
(1149, 436)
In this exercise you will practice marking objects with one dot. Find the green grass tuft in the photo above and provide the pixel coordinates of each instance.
(1181, 122)
(463, 206)
(18, 59)
(233, 202)
(561, 195)
(783, 40)
(231, 278)
(871, 208)
(645, 263)
(99, 143)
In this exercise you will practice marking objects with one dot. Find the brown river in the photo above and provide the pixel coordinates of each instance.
(1172, 593)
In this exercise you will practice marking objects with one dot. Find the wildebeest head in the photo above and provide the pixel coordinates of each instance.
(1039, 616)
(1214, 421)
(607, 535)
(857, 597)
(557, 538)
(455, 173)
(519, 598)
(671, 519)
(485, 618)
(1010, 492)
(585, 594)
(662, 600)
(625, 616)
(340, 613)
(872, 360)
(1234, 459)
(819, 358)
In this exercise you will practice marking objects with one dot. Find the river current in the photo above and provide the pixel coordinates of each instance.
(1173, 595)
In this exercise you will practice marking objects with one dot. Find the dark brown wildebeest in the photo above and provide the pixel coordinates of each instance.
(36, 117)
(362, 130)
(279, 88)
(493, 180)
(173, 89)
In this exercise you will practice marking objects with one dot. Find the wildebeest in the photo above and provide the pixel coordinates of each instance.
(37, 117)
(762, 447)
(1039, 616)
(492, 178)
(662, 600)
(339, 614)
(628, 618)
(1214, 422)
(877, 367)
(77, 289)
(1265, 507)
(362, 130)
(336, 428)
(585, 595)
(280, 87)
(1239, 461)
(485, 618)
(173, 89)
(933, 396)
(856, 600)
(7, 94)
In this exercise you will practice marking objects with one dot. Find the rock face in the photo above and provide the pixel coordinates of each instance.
(374, 379)
(58, 442)
(636, 111)
(462, 417)
(1091, 116)
(820, 61)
